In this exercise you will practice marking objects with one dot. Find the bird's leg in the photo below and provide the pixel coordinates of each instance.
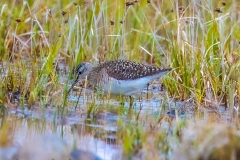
(121, 100)
(131, 101)
(147, 90)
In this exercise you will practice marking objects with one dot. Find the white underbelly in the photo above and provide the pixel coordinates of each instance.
(128, 87)
(125, 87)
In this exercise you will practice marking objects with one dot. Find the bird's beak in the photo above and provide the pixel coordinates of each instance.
(73, 84)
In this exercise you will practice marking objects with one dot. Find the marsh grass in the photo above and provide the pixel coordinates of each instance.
(198, 39)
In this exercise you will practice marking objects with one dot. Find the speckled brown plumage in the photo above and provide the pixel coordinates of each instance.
(128, 70)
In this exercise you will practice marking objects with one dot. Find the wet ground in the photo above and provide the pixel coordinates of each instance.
(95, 134)
(80, 132)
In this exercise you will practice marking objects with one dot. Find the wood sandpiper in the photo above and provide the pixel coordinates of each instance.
(118, 77)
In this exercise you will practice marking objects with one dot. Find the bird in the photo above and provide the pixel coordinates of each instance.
(118, 77)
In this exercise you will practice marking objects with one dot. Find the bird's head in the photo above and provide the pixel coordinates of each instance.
(80, 72)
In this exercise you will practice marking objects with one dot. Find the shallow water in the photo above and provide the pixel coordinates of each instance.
(94, 138)
(96, 132)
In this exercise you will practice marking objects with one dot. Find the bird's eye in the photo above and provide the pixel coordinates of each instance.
(77, 69)
(81, 70)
